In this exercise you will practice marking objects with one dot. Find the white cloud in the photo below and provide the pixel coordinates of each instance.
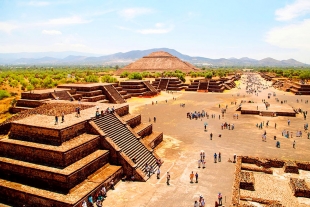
(131, 13)
(123, 28)
(160, 28)
(38, 3)
(291, 11)
(51, 32)
(7, 27)
(294, 36)
(66, 21)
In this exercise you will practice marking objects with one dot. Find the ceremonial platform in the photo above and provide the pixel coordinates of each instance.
(50, 162)
(273, 109)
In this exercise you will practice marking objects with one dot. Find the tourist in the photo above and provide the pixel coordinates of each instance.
(202, 202)
(154, 119)
(90, 200)
(215, 157)
(98, 203)
(104, 192)
(62, 117)
(56, 120)
(158, 173)
(211, 136)
(220, 198)
(235, 156)
(112, 184)
(196, 176)
(203, 155)
(294, 144)
(84, 204)
(78, 112)
(220, 157)
(203, 164)
(196, 204)
(288, 122)
(278, 144)
(168, 178)
(191, 176)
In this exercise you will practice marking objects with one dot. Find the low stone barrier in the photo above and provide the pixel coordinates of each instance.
(299, 187)
(247, 181)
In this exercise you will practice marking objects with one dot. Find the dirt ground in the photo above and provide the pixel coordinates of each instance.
(184, 139)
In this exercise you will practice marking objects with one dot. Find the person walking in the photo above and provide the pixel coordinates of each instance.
(158, 173)
(154, 119)
(62, 117)
(196, 204)
(191, 176)
(288, 122)
(56, 120)
(211, 135)
(220, 199)
(196, 176)
(220, 157)
(168, 178)
(203, 164)
(215, 157)
(294, 144)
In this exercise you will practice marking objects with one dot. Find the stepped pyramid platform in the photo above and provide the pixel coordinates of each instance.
(213, 85)
(170, 84)
(138, 88)
(91, 92)
(97, 92)
(158, 61)
(48, 164)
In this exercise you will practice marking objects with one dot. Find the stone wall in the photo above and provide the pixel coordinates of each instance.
(46, 135)
(135, 121)
(247, 180)
(299, 187)
(56, 180)
(35, 96)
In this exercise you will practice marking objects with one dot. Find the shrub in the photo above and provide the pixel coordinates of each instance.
(135, 75)
(4, 94)
(124, 74)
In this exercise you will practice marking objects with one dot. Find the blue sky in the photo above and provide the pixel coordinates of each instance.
(207, 28)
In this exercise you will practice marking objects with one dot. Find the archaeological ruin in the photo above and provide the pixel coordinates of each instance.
(46, 162)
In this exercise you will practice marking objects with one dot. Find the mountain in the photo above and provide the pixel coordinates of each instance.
(79, 58)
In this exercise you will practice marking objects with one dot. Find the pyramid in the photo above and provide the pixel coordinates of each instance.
(159, 61)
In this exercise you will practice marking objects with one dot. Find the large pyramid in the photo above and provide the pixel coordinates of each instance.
(158, 62)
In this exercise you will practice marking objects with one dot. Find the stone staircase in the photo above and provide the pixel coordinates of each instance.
(227, 86)
(150, 87)
(125, 139)
(113, 94)
(163, 84)
(62, 95)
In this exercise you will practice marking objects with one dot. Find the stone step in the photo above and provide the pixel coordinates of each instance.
(125, 139)
(153, 139)
(33, 196)
(132, 119)
(53, 178)
(63, 155)
(143, 129)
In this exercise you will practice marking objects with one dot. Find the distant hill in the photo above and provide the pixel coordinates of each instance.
(77, 58)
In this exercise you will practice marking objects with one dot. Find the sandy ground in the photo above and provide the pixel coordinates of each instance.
(184, 139)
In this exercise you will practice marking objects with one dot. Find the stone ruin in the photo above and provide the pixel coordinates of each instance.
(212, 85)
(244, 179)
(42, 164)
(168, 84)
